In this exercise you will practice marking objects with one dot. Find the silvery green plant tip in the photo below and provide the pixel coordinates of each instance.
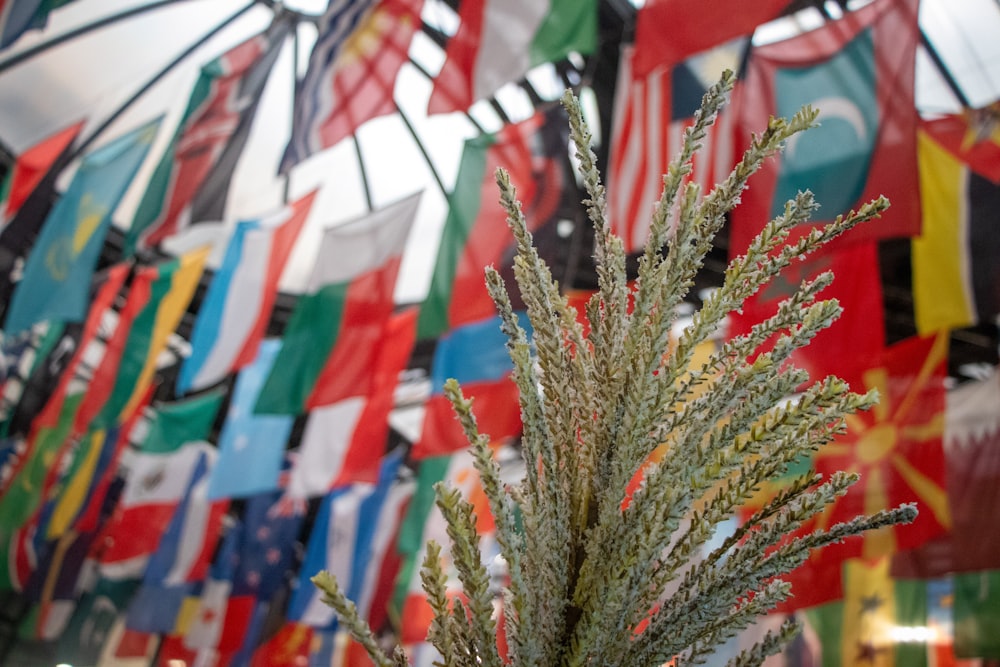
(604, 572)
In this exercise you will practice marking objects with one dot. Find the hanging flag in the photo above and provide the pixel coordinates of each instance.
(498, 41)
(191, 182)
(173, 424)
(972, 137)
(31, 166)
(344, 442)
(977, 615)
(651, 112)
(475, 232)
(858, 72)
(341, 543)
(288, 647)
(955, 275)
(251, 445)
(91, 624)
(237, 306)
(859, 333)
(159, 298)
(880, 620)
(331, 341)
(19, 16)
(972, 460)
(58, 270)
(476, 356)
(670, 31)
(155, 484)
(352, 72)
(268, 551)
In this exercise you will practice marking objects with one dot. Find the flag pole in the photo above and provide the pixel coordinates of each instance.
(295, 98)
(423, 151)
(364, 172)
(79, 31)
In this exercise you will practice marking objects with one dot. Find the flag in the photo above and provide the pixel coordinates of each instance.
(955, 275)
(92, 622)
(289, 647)
(159, 298)
(977, 614)
(341, 543)
(498, 41)
(475, 232)
(31, 166)
(344, 442)
(858, 72)
(237, 306)
(19, 16)
(155, 485)
(58, 270)
(651, 112)
(268, 549)
(251, 445)
(330, 343)
(352, 72)
(972, 137)
(972, 461)
(881, 620)
(191, 182)
(670, 31)
(476, 356)
(859, 333)
(173, 424)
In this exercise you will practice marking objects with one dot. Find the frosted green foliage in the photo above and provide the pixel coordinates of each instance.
(600, 578)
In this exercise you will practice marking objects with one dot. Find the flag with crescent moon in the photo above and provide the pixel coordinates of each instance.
(858, 72)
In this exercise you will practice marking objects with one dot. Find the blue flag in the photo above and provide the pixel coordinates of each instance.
(251, 446)
(58, 271)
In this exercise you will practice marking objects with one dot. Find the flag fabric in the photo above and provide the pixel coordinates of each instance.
(159, 298)
(331, 341)
(858, 72)
(344, 442)
(93, 620)
(650, 114)
(972, 460)
(288, 647)
(58, 270)
(973, 137)
(341, 543)
(31, 166)
(955, 275)
(191, 182)
(977, 614)
(476, 356)
(352, 72)
(268, 550)
(173, 424)
(498, 41)
(670, 31)
(237, 306)
(882, 621)
(475, 231)
(155, 484)
(19, 16)
(859, 333)
(251, 446)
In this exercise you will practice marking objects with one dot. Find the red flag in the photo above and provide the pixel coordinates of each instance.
(651, 113)
(672, 30)
(859, 73)
(32, 165)
(972, 136)
(859, 333)
(351, 81)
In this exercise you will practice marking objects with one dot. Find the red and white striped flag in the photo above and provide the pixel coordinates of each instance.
(649, 117)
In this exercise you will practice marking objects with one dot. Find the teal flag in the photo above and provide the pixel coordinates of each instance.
(833, 159)
(57, 274)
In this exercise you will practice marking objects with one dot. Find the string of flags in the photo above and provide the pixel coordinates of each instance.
(164, 499)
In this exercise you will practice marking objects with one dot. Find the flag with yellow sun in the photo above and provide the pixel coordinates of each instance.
(897, 449)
